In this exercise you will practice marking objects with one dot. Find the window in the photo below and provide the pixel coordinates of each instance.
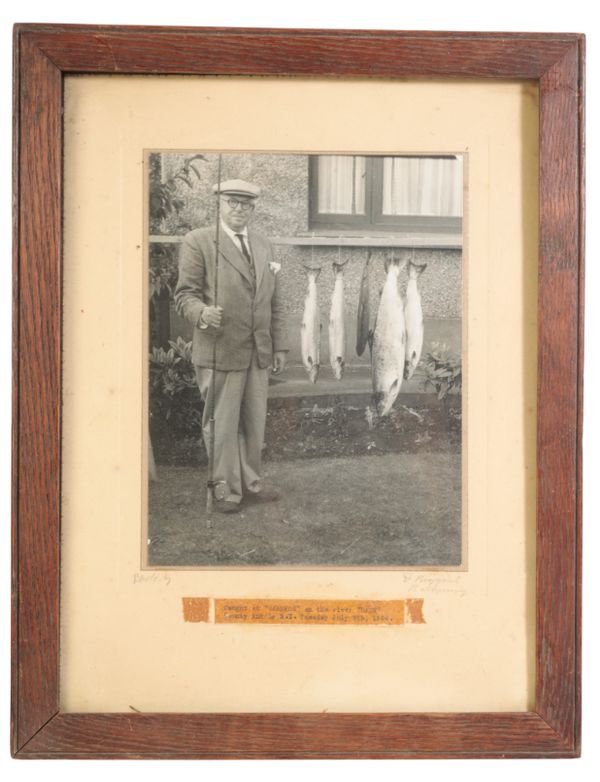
(405, 193)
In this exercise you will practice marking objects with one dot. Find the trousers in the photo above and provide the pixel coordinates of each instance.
(240, 412)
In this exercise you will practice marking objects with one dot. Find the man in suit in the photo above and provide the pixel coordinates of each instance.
(244, 319)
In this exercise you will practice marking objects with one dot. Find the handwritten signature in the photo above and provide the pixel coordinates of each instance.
(152, 578)
(449, 583)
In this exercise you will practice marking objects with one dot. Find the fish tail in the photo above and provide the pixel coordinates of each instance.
(339, 265)
(312, 271)
(397, 263)
(418, 268)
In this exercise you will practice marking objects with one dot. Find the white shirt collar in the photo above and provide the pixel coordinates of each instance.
(233, 234)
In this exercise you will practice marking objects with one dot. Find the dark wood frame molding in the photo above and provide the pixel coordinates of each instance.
(44, 54)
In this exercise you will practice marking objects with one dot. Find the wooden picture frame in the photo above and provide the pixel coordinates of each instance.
(44, 55)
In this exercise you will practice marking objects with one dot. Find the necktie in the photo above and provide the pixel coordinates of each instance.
(244, 248)
(246, 254)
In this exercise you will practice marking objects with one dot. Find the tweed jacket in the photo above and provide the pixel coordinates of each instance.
(253, 316)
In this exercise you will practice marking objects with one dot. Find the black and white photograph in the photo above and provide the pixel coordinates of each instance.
(305, 364)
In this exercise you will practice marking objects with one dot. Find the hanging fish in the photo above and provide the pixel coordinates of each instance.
(311, 327)
(373, 326)
(337, 327)
(363, 315)
(413, 314)
(389, 342)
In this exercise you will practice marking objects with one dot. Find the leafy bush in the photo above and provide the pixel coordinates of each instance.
(175, 403)
(166, 201)
(164, 198)
(443, 371)
(163, 269)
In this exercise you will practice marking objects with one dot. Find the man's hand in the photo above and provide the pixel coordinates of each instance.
(279, 359)
(212, 316)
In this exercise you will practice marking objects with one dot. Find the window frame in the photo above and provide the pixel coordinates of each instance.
(374, 220)
(330, 221)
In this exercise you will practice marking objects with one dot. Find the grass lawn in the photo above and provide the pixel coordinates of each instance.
(395, 509)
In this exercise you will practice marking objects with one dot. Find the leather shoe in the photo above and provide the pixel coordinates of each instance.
(264, 495)
(226, 506)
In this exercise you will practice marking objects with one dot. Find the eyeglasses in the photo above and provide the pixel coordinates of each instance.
(243, 205)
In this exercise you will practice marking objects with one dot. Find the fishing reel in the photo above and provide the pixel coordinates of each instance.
(219, 489)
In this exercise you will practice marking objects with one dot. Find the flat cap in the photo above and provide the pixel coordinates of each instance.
(237, 187)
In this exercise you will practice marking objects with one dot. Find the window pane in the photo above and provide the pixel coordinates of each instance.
(422, 186)
(341, 184)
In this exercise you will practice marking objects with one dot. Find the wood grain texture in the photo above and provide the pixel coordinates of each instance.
(37, 390)
(268, 52)
(296, 735)
(580, 375)
(558, 393)
(43, 54)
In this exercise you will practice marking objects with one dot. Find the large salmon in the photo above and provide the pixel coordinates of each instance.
(337, 327)
(389, 342)
(311, 327)
(413, 314)
(363, 315)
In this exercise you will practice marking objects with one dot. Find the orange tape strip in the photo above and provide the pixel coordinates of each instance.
(195, 609)
(414, 611)
(318, 612)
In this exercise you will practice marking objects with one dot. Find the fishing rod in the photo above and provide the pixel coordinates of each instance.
(210, 485)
